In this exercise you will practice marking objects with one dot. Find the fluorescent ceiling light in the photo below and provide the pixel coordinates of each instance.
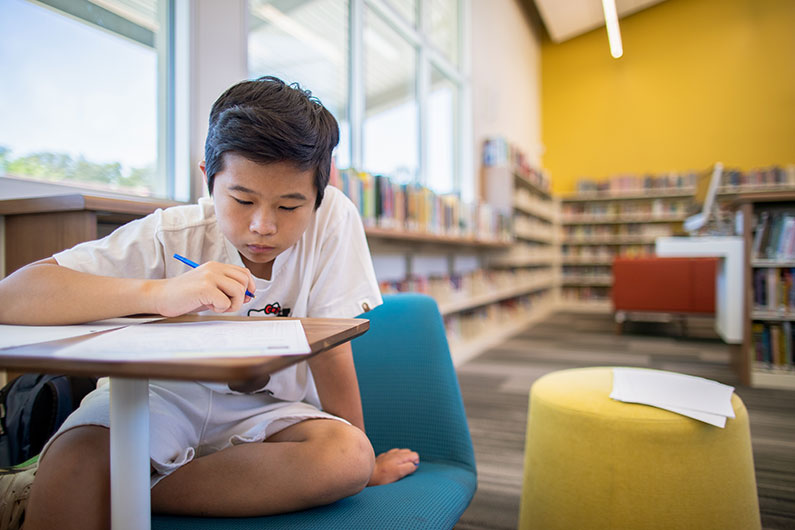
(613, 33)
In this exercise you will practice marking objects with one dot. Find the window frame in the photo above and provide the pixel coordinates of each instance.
(163, 43)
(197, 60)
(427, 56)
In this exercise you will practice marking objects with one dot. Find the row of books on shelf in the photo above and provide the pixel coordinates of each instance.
(778, 176)
(391, 205)
(605, 252)
(775, 236)
(685, 182)
(598, 271)
(499, 152)
(774, 289)
(772, 343)
(585, 294)
(482, 321)
(528, 202)
(624, 230)
(587, 280)
(451, 289)
(532, 228)
(526, 251)
(640, 208)
(628, 184)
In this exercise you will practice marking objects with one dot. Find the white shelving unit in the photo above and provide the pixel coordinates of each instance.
(533, 256)
(491, 305)
(462, 351)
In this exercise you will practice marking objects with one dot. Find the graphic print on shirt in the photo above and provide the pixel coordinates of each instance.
(274, 309)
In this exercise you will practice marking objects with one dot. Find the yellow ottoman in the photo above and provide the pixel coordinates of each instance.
(592, 462)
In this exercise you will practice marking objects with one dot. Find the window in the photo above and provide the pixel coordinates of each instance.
(442, 133)
(307, 44)
(407, 9)
(390, 71)
(390, 126)
(443, 27)
(79, 96)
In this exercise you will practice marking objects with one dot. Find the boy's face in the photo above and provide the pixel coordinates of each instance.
(262, 209)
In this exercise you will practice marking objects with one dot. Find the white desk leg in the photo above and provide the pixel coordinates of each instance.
(130, 503)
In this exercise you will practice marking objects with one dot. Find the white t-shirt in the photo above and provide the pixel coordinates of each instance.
(327, 273)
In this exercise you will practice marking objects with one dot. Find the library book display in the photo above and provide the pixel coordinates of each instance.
(769, 269)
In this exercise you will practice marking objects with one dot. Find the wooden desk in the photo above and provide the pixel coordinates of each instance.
(37, 228)
(129, 407)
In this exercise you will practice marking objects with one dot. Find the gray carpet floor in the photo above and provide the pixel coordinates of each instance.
(496, 384)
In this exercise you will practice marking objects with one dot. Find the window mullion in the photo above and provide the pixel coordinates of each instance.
(182, 94)
(406, 30)
(444, 64)
(466, 180)
(423, 89)
(164, 45)
(356, 82)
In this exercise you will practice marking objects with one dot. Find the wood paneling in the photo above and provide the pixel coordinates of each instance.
(36, 228)
(34, 236)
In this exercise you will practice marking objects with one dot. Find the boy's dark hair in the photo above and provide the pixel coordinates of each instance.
(266, 121)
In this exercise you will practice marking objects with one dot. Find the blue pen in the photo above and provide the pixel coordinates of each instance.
(193, 265)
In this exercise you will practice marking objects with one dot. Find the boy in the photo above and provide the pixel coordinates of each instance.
(292, 441)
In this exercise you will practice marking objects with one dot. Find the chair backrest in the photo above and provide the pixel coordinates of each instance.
(410, 393)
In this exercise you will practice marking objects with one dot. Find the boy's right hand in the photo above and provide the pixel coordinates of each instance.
(214, 286)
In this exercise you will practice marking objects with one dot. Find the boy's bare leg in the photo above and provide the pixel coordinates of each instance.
(72, 485)
(311, 463)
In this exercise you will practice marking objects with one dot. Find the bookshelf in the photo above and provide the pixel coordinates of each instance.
(408, 226)
(498, 255)
(769, 313)
(530, 266)
(601, 224)
(624, 215)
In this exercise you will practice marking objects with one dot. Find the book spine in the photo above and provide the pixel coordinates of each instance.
(772, 291)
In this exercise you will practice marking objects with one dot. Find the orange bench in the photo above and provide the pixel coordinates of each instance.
(678, 286)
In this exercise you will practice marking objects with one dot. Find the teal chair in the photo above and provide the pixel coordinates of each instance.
(411, 399)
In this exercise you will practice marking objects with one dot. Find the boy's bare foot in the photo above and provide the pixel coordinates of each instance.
(393, 466)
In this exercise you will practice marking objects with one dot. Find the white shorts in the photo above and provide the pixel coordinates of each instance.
(188, 420)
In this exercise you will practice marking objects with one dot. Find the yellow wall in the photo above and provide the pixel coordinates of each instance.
(700, 81)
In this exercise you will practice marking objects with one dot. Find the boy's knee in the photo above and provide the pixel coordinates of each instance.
(349, 461)
(362, 459)
(72, 481)
(82, 450)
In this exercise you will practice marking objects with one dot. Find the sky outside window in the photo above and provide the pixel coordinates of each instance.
(72, 89)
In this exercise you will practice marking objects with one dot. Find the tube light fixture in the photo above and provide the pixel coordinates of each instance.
(613, 33)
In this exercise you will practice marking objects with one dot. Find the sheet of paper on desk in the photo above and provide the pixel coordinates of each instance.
(695, 397)
(11, 336)
(254, 338)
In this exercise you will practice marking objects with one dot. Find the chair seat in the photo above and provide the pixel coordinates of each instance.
(410, 398)
(429, 498)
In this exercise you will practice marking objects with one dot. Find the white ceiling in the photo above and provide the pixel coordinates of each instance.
(565, 19)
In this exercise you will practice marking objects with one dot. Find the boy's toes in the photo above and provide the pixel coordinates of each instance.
(406, 468)
(394, 465)
(412, 456)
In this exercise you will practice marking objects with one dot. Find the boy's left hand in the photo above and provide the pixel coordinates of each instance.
(393, 466)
